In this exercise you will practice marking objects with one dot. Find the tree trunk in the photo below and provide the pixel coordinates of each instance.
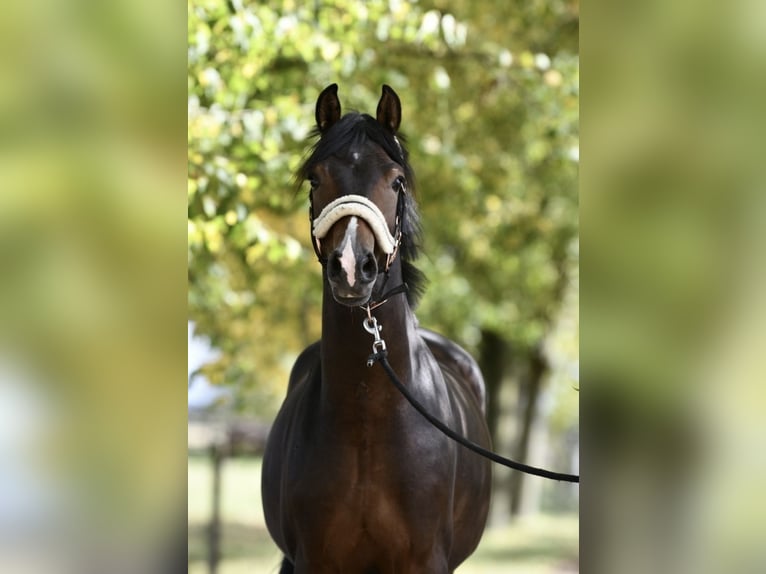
(529, 392)
(214, 528)
(493, 360)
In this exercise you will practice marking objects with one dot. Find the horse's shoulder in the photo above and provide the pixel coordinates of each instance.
(454, 358)
(306, 363)
(447, 351)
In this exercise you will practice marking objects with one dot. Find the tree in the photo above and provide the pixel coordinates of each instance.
(490, 100)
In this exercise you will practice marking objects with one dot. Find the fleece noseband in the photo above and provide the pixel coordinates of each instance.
(360, 206)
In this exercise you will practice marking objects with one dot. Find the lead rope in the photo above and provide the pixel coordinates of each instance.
(380, 355)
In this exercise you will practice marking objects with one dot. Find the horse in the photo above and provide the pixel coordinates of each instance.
(354, 480)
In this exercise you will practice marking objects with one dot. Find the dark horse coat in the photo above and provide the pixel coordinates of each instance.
(354, 479)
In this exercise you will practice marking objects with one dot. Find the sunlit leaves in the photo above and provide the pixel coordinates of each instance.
(490, 105)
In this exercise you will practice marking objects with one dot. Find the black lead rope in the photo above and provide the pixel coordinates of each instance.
(381, 356)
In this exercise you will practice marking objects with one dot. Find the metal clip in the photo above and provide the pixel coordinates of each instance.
(378, 345)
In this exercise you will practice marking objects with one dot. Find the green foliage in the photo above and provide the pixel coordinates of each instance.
(490, 103)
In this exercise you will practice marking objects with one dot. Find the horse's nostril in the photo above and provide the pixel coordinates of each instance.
(369, 268)
(333, 266)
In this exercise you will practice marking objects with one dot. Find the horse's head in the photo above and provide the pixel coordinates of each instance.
(358, 174)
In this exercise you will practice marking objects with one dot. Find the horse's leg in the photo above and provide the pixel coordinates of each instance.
(287, 567)
(434, 564)
(304, 566)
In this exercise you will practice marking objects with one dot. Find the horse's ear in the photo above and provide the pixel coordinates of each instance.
(328, 108)
(389, 109)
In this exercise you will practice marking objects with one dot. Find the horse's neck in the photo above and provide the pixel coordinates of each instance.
(346, 346)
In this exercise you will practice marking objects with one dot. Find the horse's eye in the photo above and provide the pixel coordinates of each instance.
(313, 181)
(399, 184)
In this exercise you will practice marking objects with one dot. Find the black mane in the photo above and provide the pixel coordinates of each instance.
(355, 129)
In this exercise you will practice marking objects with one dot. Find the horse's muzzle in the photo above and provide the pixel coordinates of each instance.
(352, 273)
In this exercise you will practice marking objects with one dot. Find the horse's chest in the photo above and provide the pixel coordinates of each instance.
(357, 482)
(366, 495)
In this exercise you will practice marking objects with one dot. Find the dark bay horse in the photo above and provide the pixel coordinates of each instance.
(355, 481)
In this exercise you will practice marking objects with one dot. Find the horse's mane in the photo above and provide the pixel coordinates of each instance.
(355, 129)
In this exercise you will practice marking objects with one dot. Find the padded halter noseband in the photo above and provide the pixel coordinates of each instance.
(360, 206)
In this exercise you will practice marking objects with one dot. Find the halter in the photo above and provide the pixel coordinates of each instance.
(360, 206)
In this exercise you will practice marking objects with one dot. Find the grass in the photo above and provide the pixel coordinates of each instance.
(541, 544)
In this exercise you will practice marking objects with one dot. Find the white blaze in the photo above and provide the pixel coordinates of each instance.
(347, 260)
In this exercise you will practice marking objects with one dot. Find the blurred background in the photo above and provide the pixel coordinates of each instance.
(490, 100)
(94, 196)
(673, 213)
(92, 287)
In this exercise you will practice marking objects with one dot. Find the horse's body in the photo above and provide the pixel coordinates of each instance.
(354, 479)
